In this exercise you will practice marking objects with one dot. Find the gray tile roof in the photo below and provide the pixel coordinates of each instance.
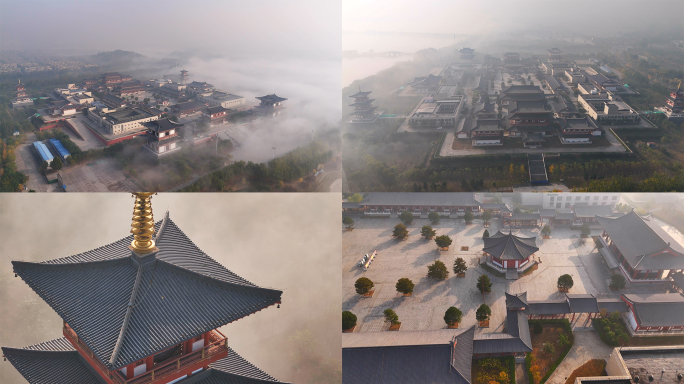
(425, 199)
(516, 301)
(612, 305)
(180, 295)
(51, 362)
(657, 309)
(237, 365)
(642, 241)
(509, 246)
(548, 307)
(517, 326)
(582, 303)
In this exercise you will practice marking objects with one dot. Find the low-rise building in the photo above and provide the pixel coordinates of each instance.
(122, 120)
(607, 107)
(63, 108)
(162, 137)
(558, 200)
(270, 105)
(215, 115)
(197, 87)
(187, 108)
(113, 101)
(220, 98)
(436, 113)
(578, 130)
(425, 84)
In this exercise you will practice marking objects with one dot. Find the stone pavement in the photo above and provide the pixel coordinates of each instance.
(587, 346)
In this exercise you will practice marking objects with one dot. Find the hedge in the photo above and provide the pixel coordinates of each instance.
(511, 368)
(528, 364)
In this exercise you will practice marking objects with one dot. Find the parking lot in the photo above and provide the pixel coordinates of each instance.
(424, 310)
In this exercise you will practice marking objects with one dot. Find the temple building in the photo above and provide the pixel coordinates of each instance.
(554, 55)
(509, 251)
(425, 84)
(364, 111)
(578, 131)
(433, 113)
(467, 54)
(654, 312)
(215, 115)
(515, 93)
(608, 108)
(674, 105)
(21, 99)
(531, 121)
(270, 105)
(111, 78)
(642, 250)
(162, 137)
(420, 204)
(199, 87)
(132, 87)
(187, 108)
(144, 309)
(220, 98)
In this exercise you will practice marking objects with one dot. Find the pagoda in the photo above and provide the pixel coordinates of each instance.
(21, 99)
(144, 309)
(364, 111)
(183, 76)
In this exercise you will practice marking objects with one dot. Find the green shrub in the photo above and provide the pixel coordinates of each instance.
(348, 320)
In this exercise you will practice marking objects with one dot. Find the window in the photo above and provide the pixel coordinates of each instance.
(567, 205)
(614, 198)
(586, 198)
(605, 197)
(577, 198)
(558, 205)
(596, 197)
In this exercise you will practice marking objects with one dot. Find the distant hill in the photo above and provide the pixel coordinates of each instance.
(118, 57)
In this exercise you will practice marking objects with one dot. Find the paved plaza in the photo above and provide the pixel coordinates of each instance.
(424, 310)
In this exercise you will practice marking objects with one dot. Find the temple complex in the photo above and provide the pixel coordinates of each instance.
(144, 309)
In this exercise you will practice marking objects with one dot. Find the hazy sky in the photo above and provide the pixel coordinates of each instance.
(231, 27)
(290, 242)
(493, 16)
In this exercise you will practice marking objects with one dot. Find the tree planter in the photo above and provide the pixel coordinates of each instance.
(460, 275)
(349, 229)
(369, 294)
(546, 237)
(483, 324)
(444, 249)
(566, 290)
(453, 325)
(407, 294)
(350, 330)
(394, 327)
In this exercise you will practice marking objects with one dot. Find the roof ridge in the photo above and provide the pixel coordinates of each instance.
(127, 317)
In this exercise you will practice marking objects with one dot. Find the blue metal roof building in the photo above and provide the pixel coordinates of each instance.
(43, 152)
(61, 151)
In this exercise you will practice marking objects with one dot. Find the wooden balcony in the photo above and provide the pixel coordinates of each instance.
(216, 350)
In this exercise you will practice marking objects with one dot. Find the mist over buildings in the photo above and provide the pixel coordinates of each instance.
(289, 242)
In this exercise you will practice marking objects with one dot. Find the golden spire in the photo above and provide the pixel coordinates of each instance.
(142, 226)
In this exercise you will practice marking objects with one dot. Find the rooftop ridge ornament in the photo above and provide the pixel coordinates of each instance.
(142, 226)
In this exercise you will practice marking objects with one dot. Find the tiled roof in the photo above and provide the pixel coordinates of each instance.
(272, 98)
(582, 303)
(516, 301)
(643, 242)
(183, 293)
(509, 246)
(658, 309)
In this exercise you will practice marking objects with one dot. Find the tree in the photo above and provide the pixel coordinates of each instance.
(43, 166)
(348, 221)
(617, 281)
(427, 232)
(56, 164)
(484, 285)
(438, 270)
(434, 217)
(400, 232)
(565, 281)
(348, 320)
(485, 234)
(406, 217)
(391, 316)
(355, 198)
(460, 266)
(443, 241)
(405, 286)
(363, 285)
(453, 315)
(585, 231)
(483, 312)
(468, 217)
(486, 216)
(546, 231)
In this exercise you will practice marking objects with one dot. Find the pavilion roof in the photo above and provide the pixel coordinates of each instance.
(272, 98)
(182, 293)
(509, 246)
(657, 309)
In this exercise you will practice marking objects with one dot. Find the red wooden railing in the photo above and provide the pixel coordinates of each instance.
(218, 343)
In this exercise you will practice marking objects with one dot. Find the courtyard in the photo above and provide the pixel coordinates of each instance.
(561, 254)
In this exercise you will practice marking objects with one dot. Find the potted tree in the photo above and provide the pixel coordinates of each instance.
(406, 217)
(400, 232)
(585, 231)
(405, 286)
(486, 216)
(443, 242)
(433, 217)
(484, 285)
(460, 267)
(392, 318)
(468, 217)
(546, 231)
(452, 317)
(438, 270)
(482, 315)
(349, 222)
(617, 282)
(348, 321)
(565, 283)
(363, 287)
(427, 232)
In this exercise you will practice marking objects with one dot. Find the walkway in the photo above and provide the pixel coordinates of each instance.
(587, 346)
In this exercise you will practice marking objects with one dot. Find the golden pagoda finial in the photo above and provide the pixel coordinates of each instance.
(142, 226)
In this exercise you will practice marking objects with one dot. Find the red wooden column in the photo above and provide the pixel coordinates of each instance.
(150, 362)
(206, 338)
